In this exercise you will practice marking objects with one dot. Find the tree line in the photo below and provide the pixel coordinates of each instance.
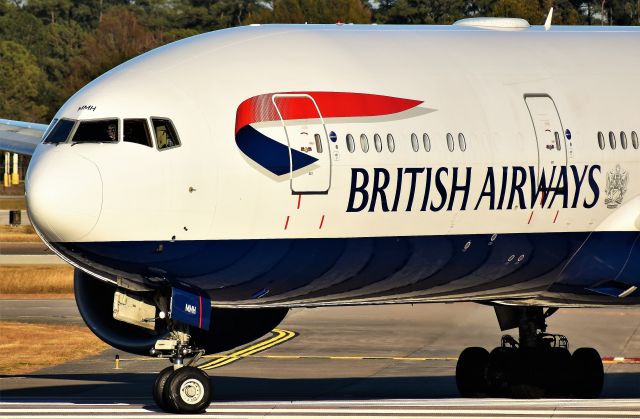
(51, 48)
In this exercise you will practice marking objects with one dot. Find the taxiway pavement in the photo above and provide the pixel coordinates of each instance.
(394, 361)
(47, 311)
(24, 248)
(27, 253)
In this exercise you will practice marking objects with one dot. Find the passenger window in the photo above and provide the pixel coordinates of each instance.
(391, 143)
(318, 142)
(351, 144)
(136, 131)
(623, 140)
(601, 140)
(634, 139)
(166, 136)
(377, 141)
(60, 132)
(100, 131)
(558, 144)
(364, 142)
(414, 142)
(450, 144)
(462, 142)
(612, 140)
(426, 142)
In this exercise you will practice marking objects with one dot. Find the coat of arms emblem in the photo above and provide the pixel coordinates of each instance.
(617, 180)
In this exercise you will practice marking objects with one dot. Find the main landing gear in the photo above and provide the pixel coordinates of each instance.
(538, 365)
(180, 388)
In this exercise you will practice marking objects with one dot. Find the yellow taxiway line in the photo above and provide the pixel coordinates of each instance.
(280, 336)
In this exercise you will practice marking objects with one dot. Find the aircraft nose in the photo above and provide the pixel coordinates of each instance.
(64, 195)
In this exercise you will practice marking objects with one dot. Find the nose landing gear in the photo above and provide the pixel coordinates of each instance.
(180, 388)
(538, 365)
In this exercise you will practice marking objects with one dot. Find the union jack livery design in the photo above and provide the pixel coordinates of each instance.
(273, 155)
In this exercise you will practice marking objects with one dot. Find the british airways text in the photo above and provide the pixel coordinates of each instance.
(450, 188)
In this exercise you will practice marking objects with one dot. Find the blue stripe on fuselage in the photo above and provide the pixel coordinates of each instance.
(269, 153)
(318, 270)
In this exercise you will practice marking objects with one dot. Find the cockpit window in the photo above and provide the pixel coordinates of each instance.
(166, 136)
(99, 131)
(52, 124)
(136, 131)
(60, 132)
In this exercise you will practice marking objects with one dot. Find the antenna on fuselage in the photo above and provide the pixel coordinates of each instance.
(547, 23)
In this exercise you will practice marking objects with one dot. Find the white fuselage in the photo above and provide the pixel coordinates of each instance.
(493, 86)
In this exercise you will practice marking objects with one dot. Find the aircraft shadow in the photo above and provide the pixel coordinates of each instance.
(136, 388)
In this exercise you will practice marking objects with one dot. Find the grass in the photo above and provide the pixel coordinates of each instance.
(35, 296)
(23, 233)
(54, 281)
(48, 345)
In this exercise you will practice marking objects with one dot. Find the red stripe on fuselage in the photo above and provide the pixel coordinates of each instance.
(331, 104)
(200, 312)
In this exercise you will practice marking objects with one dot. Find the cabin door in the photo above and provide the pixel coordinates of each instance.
(552, 147)
(309, 157)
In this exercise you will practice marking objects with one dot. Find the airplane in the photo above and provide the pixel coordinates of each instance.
(204, 188)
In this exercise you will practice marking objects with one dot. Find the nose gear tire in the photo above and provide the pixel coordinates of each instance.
(158, 387)
(187, 390)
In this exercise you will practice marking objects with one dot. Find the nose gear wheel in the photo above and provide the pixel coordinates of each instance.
(191, 391)
(186, 390)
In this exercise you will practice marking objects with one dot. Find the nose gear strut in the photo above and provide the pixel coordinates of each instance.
(180, 388)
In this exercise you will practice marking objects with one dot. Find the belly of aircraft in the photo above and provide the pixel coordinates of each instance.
(558, 268)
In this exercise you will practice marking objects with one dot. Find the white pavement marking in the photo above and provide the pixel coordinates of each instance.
(460, 408)
(450, 403)
(267, 414)
(358, 411)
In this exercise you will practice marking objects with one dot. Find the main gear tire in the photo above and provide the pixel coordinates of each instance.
(587, 373)
(558, 372)
(471, 371)
(501, 368)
